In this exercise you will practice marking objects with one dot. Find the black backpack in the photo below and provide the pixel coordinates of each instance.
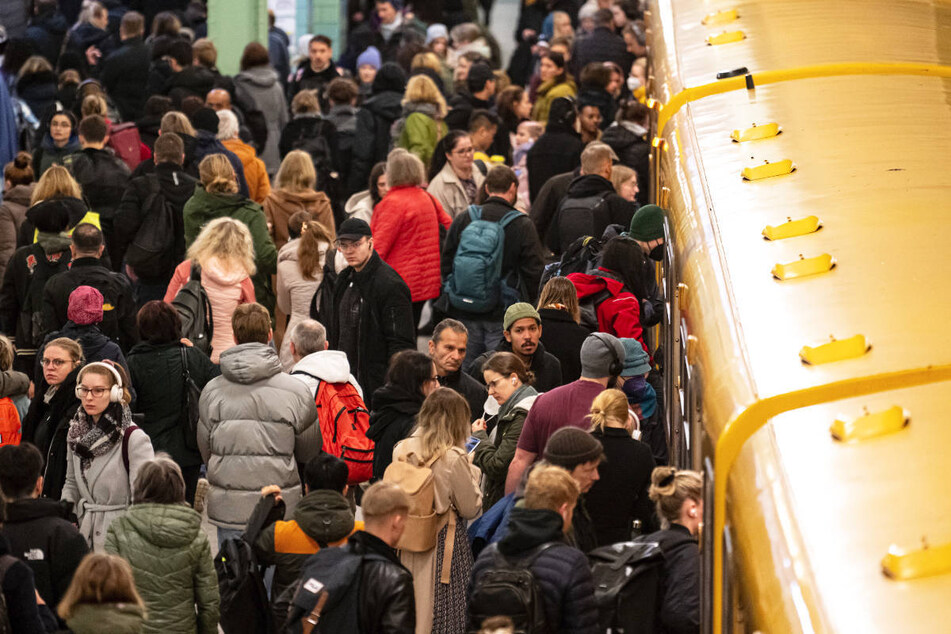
(626, 582)
(581, 256)
(509, 588)
(575, 218)
(322, 304)
(194, 309)
(6, 562)
(152, 250)
(244, 602)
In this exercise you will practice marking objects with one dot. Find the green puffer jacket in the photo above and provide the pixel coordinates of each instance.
(204, 207)
(421, 130)
(114, 618)
(171, 561)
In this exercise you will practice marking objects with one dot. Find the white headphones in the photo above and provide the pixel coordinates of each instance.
(115, 392)
(513, 381)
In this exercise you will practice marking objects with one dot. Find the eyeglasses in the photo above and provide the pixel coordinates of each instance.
(56, 363)
(349, 245)
(82, 391)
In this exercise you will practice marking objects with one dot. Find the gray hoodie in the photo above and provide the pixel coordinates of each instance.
(249, 434)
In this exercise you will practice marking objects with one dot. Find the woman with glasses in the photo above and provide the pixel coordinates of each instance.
(456, 184)
(106, 451)
(51, 409)
(410, 379)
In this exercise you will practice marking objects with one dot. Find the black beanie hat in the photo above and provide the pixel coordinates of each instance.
(206, 119)
(569, 446)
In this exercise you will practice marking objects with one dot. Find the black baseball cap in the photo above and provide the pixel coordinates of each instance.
(354, 229)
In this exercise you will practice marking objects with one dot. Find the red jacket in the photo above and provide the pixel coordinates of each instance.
(406, 235)
(619, 314)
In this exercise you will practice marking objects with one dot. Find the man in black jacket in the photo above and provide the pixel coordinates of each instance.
(371, 316)
(480, 83)
(103, 177)
(371, 141)
(124, 74)
(315, 72)
(118, 321)
(591, 204)
(558, 150)
(171, 184)
(38, 529)
(602, 45)
(522, 263)
(186, 79)
(522, 329)
(448, 350)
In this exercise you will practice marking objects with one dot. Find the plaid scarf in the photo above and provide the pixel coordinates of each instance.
(88, 439)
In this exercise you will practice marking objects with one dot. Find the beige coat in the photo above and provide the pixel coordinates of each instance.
(294, 293)
(457, 487)
(449, 191)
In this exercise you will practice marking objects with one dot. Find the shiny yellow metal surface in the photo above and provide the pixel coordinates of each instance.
(862, 91)
(792, 228)
(756, 132)
(870, 425)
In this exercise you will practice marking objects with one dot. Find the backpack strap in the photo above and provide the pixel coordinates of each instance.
(301, 372)
(125, 445)
(475, 212)
(309, 622)
(195, 272)
(510, 217)
(445, 577)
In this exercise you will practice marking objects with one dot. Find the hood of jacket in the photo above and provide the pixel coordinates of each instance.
(71, 146)
(214, 271)
(390, 78)
(20, 194)
(89, 336)
(32, 509)
(288, 252)
(207, 206)
(422, 107)
(387, 105)
(164, 525)
(360, 200)
(587, 284)
(52, 21)
(324, 515)
(589, 185)
(249, 363)
(259, 76)
(529, 528)
(391, 403)
(327, 365)
(116, 618)
(522, 398)
(291, 202)
(40, 79)
(54, 210)
(618, 137)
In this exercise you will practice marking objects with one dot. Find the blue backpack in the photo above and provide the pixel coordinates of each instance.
(475, 284)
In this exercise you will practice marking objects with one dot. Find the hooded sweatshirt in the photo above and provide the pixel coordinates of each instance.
(331, 366)
(171, 562)
(261, 86)
(392, 419)
(281, 204)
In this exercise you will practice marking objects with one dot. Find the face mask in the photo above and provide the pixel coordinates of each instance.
(657, 253)
(633, 83)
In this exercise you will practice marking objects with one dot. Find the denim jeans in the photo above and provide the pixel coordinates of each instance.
(484, 335)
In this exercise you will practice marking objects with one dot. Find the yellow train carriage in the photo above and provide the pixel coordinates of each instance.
(808, 353)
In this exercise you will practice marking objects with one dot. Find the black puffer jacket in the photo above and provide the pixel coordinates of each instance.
(124, 74)
(45, 425)
(40, 533)
(522, 262)
(371, 143)
(611, 210)
(555, 152)
(680, 602)
(387, 602)
(633, 151)
(392, 419)
(545, 366)
(563, 337)
(561, 571)
(384, 325)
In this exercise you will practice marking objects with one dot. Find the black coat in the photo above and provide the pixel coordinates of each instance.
(392, 419)
(546, 204)
(156, 374)
(74, 207)
(371, 142)
(46, 32)
(470, 389)
(118, 323)
(545, 366)
(41, 534)
(555, 152)
(461, 108)
(19, 596)
(385, 323)
(300, 129)
(680, 585)
(602, 45)
(45, 425)
(613, 210)
(191, 81)
(563, 337)
(176, 187)
(38, 90)
(522, 262)
(387, 601)
(620, 495)
(124, 74)
(104, 178)
(561, 571)
(305, 78)
(633, 151)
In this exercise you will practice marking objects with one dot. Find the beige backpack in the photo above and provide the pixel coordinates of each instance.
(415, 477)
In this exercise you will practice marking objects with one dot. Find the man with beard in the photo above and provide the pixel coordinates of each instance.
(448, 350)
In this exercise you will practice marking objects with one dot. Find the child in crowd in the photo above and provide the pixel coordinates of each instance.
(525, 136)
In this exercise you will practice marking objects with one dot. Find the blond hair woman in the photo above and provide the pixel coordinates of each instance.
(300, 269)
(102, 597)
(442, 427)
(294, 191)
(424, 109)
(222, 257)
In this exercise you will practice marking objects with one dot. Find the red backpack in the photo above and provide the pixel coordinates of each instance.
(9, 423)
(125, 141)
(344, 420)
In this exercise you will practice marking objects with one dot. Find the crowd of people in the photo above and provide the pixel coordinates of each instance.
(381, 316)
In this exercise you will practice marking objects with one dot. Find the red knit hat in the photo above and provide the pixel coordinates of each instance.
(85, 306)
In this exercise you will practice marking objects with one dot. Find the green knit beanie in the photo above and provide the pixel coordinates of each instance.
(648, 223)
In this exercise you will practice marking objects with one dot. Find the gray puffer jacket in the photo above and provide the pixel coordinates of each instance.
(251, 418)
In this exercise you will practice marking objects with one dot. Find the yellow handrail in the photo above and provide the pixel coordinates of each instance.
(801, 72)
(748, 422)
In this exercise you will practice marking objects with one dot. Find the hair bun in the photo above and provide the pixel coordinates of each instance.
(22, 160)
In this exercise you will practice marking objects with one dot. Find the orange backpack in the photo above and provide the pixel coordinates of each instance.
(9, 423)
(344, 420)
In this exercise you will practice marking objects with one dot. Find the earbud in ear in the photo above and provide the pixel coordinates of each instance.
(513, 381)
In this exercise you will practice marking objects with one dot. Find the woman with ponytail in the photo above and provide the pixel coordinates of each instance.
(619, 497)
(18, 183)
(679, 498)
(300, 269)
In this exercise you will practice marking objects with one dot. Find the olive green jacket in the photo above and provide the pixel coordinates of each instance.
(115, 618)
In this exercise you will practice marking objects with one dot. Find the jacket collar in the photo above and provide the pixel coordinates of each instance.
(87, 262)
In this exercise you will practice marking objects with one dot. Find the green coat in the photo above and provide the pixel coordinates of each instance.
(157, 378)
(171, 561)
(102, 618)
(493, 458)
(204, 207)
(420, 134)
(547, 93)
